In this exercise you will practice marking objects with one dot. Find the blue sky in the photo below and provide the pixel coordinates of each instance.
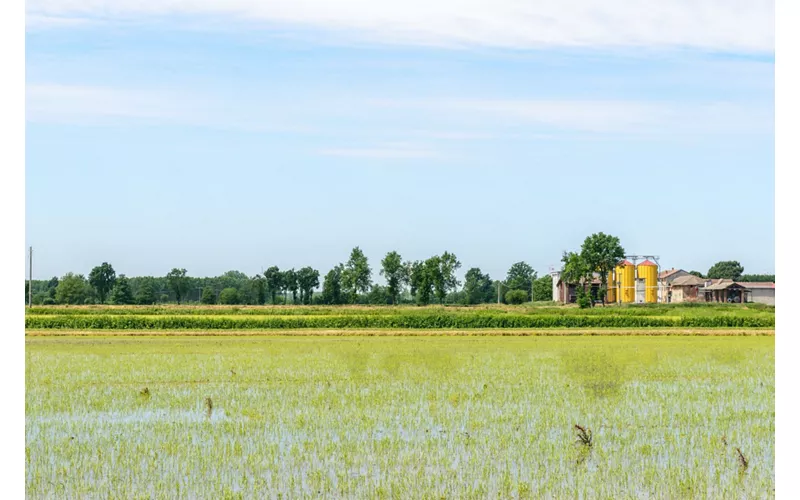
(228, 135)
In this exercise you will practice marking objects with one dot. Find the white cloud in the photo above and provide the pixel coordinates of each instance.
(597, 116)
(77, 103)
(41, 22)
(92, 105)
(726, 25)
(385, 151)
(446, 119)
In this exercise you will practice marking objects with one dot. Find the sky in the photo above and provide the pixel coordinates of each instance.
(219, 135)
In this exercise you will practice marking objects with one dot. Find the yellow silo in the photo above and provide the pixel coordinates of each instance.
(626, 277)
(648, 271)
(612, 288)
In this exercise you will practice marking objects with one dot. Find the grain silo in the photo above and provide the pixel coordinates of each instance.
(626, 278)
(611, 295)
(648, 271)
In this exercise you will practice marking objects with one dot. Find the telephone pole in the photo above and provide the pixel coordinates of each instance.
(30, 277)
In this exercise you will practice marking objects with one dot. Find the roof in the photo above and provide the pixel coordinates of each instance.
(723, 284)
(690, 280)
(756, 284)
(669, 272)
(648, 263)
(625, 262)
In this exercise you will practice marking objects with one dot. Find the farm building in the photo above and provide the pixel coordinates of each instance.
(760, 292)
(723, 290)
(686, 289)
(567, 293)
(665, 279)
(693, 289)
(673, 285)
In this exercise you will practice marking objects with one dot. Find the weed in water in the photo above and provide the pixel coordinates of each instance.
(743, 463)
(584, 436)
(209, 407)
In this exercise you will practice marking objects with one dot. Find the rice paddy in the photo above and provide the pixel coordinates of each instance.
(399, 417)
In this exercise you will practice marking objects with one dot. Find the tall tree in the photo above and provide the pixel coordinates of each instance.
(442, 270)
(575, 269)
(478, 287)
(602, 252)
(307, 280)
(520, 276)
(121, 293)
(208, 297)
(147, 293)
(102, 279)
(417, 281)
(72, 289)
(449, 264)
(357, 274)
(332, 286)
(282, 285)
(433, 273)
(726, 269)
(273, 277)
(396, 274)
(178, 283)
(543, 289)
(51, 287)
(260, 286)
(290, 283)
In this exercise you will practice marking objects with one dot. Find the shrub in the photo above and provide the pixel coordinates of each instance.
(48, 301)
(516, 296)
(208, 297)
(584, 299)
(229, 296)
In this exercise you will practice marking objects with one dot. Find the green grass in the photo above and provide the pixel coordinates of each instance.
(400, 417)
(360, 317)
(683, 309)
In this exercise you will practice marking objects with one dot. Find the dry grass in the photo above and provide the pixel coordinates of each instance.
(503, 332)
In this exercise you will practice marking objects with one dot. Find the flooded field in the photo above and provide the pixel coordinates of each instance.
(400, 417)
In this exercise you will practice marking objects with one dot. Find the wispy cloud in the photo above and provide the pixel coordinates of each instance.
(597, 116)
(101, 105)
(448, 119)
(716, 25)
(384, 151)
(37, 22)
(83, 104)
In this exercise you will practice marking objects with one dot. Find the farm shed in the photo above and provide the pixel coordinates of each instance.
(724, 290)
(687, 289)
(760, 292)
(665, 279)
(567, 293)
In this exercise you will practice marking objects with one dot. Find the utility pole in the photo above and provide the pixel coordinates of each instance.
(498, 291)
(30, 277)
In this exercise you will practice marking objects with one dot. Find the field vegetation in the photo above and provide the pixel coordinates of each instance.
(390, 317)
(432, 417)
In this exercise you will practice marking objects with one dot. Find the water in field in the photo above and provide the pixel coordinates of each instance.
(253, 417)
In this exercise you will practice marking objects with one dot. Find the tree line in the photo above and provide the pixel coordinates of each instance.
(733, 270)
(421, 282)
